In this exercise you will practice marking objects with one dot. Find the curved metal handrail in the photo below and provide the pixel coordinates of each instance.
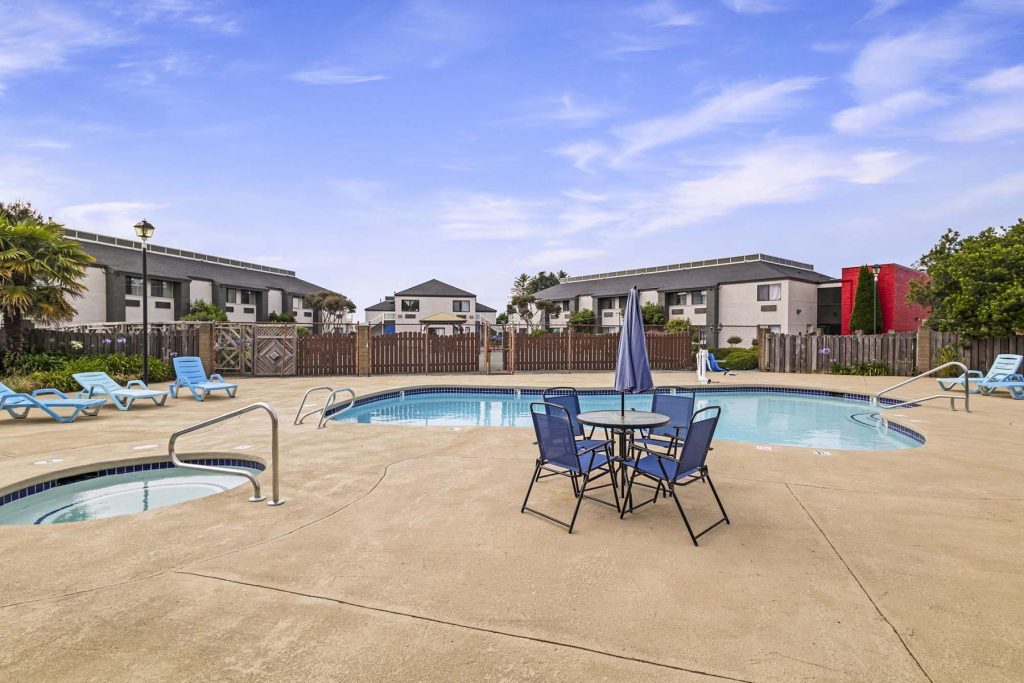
(966, 398)
(330, 403)
(257, 494)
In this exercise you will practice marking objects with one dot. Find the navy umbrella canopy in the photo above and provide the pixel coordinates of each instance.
(633, 368)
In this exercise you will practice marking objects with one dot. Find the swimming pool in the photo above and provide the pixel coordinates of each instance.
(117, 491)
(790, 417)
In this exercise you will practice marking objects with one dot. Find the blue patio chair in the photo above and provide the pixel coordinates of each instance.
(677, 403)
(1005, 365)
(562, 455)
(568, 399)
(714, 366)
(191, 375)
(18, 405)
(686, 466)
(101, 384)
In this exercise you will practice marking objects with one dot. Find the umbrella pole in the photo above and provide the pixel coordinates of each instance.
(622, 403)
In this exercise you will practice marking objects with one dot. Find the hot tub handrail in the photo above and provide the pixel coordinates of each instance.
(274, 461)
(331, 402)
(966, 398)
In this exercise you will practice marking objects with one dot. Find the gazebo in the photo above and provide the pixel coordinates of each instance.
(439, 319)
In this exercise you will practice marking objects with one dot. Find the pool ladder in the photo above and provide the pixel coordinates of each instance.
(953, 398)
(257, 494)
(326, 410)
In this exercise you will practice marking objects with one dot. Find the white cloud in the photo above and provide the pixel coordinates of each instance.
(115, 218)
(894, 64)
(554, 258)
(755, 6)
(582, 154)
(876, 167)
(334, 75)
(476, 216)
(570, 111)
(737, 104)
(41, 37)
(986, 121)
(205, 14)
(868, 117)
(983, 196)
(665, 14)
(882, 7)
(1000, 80)
(584, 196)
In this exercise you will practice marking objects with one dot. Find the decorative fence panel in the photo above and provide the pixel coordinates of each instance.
(273, 350)
(326, 354)
(165, 341)
(817, 353)
(233, 347)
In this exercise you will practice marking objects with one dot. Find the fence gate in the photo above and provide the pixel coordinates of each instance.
(233, 346)
(273, 350)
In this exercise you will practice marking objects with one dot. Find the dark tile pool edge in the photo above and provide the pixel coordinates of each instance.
(122, 469)
(534, 391)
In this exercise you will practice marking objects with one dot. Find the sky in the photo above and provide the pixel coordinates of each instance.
(370, 146)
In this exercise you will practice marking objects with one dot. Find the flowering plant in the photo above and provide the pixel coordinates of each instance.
(76, 346)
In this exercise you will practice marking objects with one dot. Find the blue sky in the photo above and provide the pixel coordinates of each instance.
(373, 145)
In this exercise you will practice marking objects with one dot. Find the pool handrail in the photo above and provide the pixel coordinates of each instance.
(966, 397)
(274, 460)
(330, 403)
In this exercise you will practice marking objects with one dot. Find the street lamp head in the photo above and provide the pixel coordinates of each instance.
(876, 269)
(144, 229)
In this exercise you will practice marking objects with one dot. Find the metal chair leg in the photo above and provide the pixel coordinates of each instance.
(579, 501)
(533, 480)
(689, 530)
(717, 499)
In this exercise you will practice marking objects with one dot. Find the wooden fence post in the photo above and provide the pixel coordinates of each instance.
(205, 345)
(924, 349)
(362, 350)
(762, 349)
(568, 351)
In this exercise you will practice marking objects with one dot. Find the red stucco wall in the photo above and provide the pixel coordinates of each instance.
(893, 285)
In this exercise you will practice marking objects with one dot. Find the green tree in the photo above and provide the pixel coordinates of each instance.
(523, 301)
(19, 212)
(582, 320)
(501, 319)
(975, 284)
(203, 310)
(679, 325)
(864, 303)
(333, 307)
(40, 273)
(653, 314)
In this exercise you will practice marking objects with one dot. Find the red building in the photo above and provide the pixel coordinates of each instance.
(893, 286)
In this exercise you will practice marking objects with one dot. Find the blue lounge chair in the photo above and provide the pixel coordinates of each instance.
(17, 405)
(1015, 383)
(191, 375)
(1005, 365)
(713, 366)
(561, 455)
(568, 399)
(101, 384)
(677, 403)
(686, 466)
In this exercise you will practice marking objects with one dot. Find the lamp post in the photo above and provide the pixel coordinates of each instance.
(875, 270)
(144, 229)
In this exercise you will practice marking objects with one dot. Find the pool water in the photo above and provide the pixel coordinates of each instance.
(761, 417)
(117, 494)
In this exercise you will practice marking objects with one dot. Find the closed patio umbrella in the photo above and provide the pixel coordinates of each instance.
(632, 369)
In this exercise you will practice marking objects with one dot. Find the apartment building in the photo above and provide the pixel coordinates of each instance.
(247, 292)
(725, 297)
(431, 306)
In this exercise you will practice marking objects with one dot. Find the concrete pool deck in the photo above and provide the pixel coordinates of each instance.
(401, 555)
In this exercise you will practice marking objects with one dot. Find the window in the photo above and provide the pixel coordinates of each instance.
(769, 292)
(698, 298)
(460, 306)
(411, 305)
(298, 302)
(231, 296)
(161, 288)
(133, 286)
(247, 296)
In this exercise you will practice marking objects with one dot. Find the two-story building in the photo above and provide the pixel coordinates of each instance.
(432, 306)
(247, 292)
(726, 297)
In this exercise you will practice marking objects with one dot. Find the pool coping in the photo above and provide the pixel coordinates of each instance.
(402, 392)
(50, 480)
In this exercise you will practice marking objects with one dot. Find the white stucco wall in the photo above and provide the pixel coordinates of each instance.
(200, 290)
(92, 307)
(407, 321)
(802, 310)
(241, 313)
(275, 297)
(159, 311)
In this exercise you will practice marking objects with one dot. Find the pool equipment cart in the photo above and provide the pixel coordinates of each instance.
(257, 494)
(327, 410)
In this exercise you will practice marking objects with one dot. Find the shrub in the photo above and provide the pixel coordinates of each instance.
(281, 317)
(733, 340)
(538, 332)
(742, 359)
(949, 354)
(653, 314)
(679, 325)
(582, 318)
(303, 331)
(865, 369)
(43, 370)
(201, 310)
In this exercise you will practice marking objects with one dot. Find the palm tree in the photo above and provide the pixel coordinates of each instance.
(40, 272)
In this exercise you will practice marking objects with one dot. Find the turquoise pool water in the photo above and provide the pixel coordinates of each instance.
(762, 417)
(117, 494)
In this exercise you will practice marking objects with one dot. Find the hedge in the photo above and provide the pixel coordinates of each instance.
(30, 371)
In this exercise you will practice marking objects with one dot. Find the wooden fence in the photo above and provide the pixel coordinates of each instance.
(580, 352)
(163, 341)
(325, 354)
(415, 352)
(817, 353)
(977, 354)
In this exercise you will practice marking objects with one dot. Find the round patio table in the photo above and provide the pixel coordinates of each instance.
(621, 423)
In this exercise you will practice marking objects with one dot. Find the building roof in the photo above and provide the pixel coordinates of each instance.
(444, 319)
(695, 277)
(484, 308)
(387, 305)
(434, 288)
(125, 257)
